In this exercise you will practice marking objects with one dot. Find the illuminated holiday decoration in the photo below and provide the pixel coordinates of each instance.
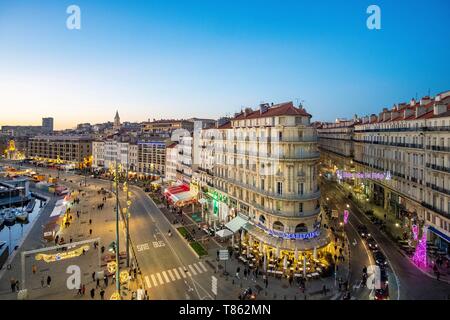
(346, 213)
(415, 231)
(420, 255)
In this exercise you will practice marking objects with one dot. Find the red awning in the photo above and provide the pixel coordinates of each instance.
(176, 189)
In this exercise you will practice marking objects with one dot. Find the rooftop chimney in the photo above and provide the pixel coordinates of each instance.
(247, 111)
(373, 118)
(425, 100)
(263, 107)
(412, 102)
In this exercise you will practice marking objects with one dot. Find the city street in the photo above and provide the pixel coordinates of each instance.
(404, 277)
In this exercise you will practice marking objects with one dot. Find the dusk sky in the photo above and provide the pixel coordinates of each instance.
(173, 59)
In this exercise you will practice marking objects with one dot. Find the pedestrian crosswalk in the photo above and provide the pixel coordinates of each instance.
(174, 274)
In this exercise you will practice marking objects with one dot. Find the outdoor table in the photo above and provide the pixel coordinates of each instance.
(308, 275)
(315, 274)
(319, 269)
(298, 275)
(270, 265)
(250, 265)
(242, 259)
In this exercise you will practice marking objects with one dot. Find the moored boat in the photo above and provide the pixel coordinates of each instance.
(21, 215)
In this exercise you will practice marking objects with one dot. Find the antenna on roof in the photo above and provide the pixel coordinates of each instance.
(429, 92)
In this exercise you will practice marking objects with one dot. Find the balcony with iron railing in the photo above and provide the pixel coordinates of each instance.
(435, 209)
(437, 188)
(438, 148)
(283, 196)
(438, 168)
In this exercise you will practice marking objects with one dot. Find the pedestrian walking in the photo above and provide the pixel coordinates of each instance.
(17, 285)
(83, 289)
(93, 276)
(105, 280)
(49, 281)
(90, 232)
(34, 269)
(98, 283)
(13, 285)
(102, 294)
(79, 290)
(238, 270)
(92, 293)
(42, 282)
(324, 290)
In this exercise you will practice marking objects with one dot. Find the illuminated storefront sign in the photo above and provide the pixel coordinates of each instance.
(62, 256)
(363, 175)
(286, 235)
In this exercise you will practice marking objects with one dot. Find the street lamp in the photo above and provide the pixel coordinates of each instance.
(116, 184)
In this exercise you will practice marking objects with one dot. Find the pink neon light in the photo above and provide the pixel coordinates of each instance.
(346, 213)
(420, 255)
(415, 231)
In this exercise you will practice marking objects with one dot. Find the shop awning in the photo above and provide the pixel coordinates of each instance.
(176, 189)
(183, 196)
(236, 224)
(439, 233)
(203, 201)
(224, 233)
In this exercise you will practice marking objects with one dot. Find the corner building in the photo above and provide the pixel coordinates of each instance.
(265, 168)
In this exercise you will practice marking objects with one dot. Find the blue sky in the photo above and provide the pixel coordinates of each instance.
(171, 59)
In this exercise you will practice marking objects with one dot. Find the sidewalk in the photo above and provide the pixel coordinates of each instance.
(90, 223)
(278, 287)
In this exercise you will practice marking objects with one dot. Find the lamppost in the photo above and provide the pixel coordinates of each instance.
(127, 213)
(116, 184)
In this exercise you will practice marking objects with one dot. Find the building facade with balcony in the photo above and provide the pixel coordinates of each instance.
(152, 158)
(71, 149)
(263, 166)
(105, 154)
(410, 144)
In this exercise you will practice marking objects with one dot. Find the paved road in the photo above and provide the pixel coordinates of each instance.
(413, 284)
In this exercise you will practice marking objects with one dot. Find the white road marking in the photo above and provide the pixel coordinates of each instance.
(165, 277)
(147, 281)
(182, 272)
(161, 281)
(203, 266)
(176, 273)
(154, 280)
(198, 268)
(192, 270)
(171, 275)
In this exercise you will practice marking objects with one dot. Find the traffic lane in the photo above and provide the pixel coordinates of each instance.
(176, 249)
(393, 279)
(413, 283)
(360, 255)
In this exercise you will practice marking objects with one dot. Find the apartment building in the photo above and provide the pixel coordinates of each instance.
(411, 142)
(68, 148)
(171, 162)
(165, 127)
(337, 140)
(106, 153)
(260, 171)
(152, 157)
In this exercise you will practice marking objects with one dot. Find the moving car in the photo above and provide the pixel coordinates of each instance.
(380, 259)
(363, 231)
(371, 243)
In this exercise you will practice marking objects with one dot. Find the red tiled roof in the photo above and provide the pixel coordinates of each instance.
(225, 126)
(282, 109)
(172, 145)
